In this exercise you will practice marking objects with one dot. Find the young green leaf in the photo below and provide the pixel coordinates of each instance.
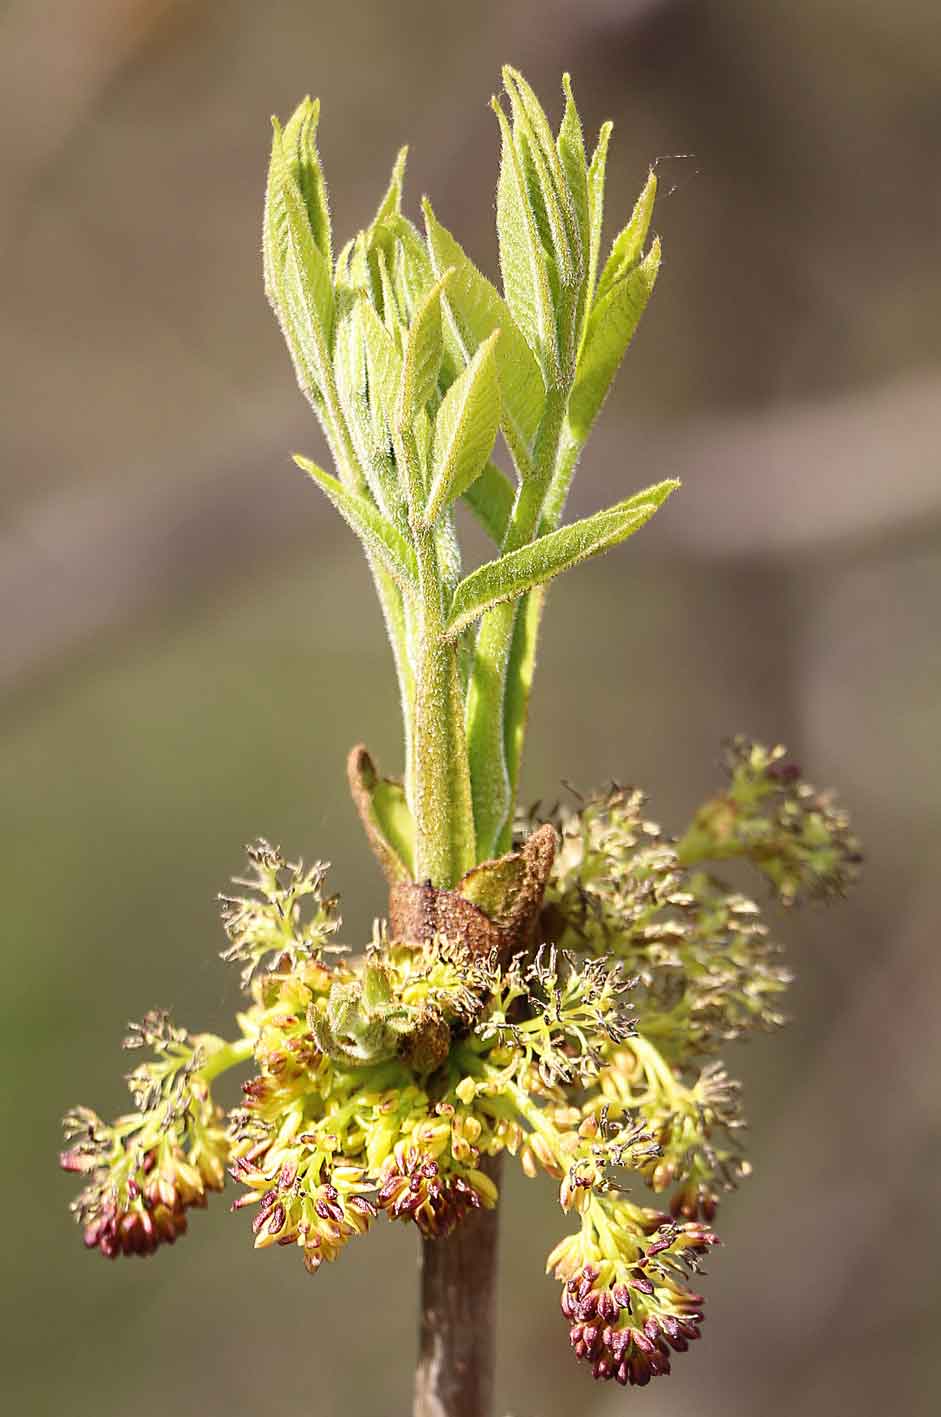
(596, 180)
(522, 258)
(398, 612)
(273, 237)
(411, 268)
(275, 253)
(368, 366)
(308, 290)
(571, 149)
(465, 430)
(491, 500)
(297, 275)
(539, 561)
(299, 142)
(383, 363)
(358, 266)
(448, 550)
(537, 148)
(349, 365)
(391, 204)
(611, 327)
(473, 310)
(424, 348)
(379, 239)
(628, 246)
(379, 536)
(349, 353)
(393, 314)
(352, 275)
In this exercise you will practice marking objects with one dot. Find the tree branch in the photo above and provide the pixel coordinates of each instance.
(457, 1321)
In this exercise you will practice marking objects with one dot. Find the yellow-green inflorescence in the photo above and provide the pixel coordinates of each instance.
(382, 1082)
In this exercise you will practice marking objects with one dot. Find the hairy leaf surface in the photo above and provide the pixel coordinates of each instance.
(611, 328)
(383, 363)
(423, 351)
(549, 189)
(378, 535)
(297, 276)
(628, 245)
(596, 177)
(571, 149)
(548, 556)
(299, 142)
(522, 259)
(476, 309)
(465, 430)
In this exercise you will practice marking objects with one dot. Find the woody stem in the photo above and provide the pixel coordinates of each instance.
(457, 1320)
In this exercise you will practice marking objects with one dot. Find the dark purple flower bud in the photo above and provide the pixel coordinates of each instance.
(363, 1206)
(639, 1372)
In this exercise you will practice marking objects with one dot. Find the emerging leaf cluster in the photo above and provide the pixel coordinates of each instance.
(414, 362)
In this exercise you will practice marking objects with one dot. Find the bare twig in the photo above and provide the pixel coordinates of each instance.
(454, 1376)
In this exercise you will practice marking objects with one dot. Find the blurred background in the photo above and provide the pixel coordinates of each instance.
(189, 642)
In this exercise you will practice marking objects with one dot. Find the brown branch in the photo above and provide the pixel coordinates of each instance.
(457, 1328)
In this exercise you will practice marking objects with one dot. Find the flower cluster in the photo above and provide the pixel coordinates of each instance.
(341, 1121)
(624, 1293)
(798, 838)
(418, 1188)
(283, 920)
(706, 969)
(386, 1082)
(148, 1168)
(570, 1009)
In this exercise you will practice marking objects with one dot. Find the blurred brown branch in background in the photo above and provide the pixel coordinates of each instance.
(71, 55)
